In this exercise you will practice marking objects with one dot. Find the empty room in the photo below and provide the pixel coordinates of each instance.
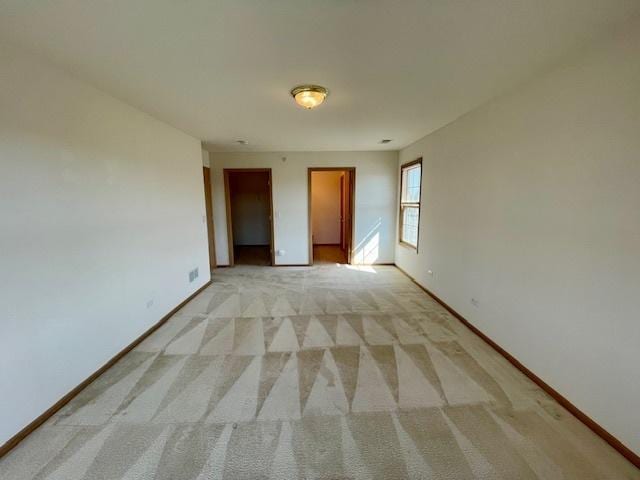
(351, 240)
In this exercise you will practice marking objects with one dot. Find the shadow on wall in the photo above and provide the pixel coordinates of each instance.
(367, 250)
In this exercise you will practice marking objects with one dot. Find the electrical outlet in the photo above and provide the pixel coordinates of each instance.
(193, 274)
(475, 302)
(150, 303)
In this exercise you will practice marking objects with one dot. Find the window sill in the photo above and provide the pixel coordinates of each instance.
(408, 246)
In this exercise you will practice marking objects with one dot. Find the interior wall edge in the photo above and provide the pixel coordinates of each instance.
(614, 442)
(529, 226)
(106, 222)
(24, 433)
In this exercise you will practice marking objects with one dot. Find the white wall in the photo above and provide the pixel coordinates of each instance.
(375, 200)
(102, 210)
(250, 208)
(325, 207)
(531, 204)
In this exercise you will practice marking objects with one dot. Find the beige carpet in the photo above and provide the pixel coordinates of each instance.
(327, 372)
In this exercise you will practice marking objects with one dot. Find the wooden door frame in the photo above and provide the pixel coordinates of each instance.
(343, 243)
(352, 209)
(206, 174)
(227, 198)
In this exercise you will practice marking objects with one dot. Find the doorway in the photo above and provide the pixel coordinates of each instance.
(331, 200)
(249, 216)
(206, 174)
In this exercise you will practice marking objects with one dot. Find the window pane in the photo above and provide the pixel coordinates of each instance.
(411, 178)
(410, 225)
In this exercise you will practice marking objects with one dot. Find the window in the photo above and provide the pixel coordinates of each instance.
(410, 183)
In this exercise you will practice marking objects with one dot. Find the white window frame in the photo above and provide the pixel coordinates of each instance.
(404, 204)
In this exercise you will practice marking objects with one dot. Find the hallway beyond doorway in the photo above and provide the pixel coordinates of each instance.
(331, 206)
(324, 254)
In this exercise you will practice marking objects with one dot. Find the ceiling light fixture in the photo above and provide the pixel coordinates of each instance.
(309, 96)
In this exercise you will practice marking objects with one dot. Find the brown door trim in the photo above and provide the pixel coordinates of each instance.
(351, 225)
(351, 212)
(227, 202)
(343, 213)
(227, 198)
(206, 173)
